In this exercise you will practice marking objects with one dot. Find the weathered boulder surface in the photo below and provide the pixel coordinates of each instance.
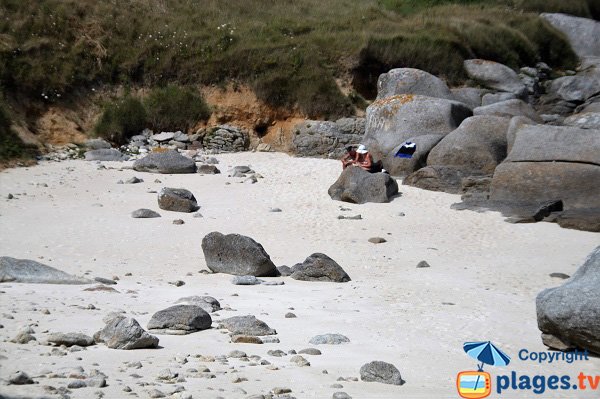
(169, 162)
(324, 138)
(144, 213)
(393, 120)
(447, 179)
(179, 320)
(578, 88)
(177, 200)
(495, 76)
(208, 303)
(582, 33)
(509, 108)
(29, 271)
(105, 154)
(516, 123)
(411, 81)
(588, 120)
(225, 138)
(236, 254)
(246, 325)
(571, 312)
(70, 339)
(383, 372)
(125, 333)
(319, 267)
(472, 96)
(397, 166)
(478, 145)
(96, 144)
(358, 186)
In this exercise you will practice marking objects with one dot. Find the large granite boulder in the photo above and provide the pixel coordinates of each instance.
(582, 33)
(236, 254)
(325, 138)
(393, 120)
(105, 154)
(516, 123)
(509, 108)
(125, 333)
(179, 320)
(246, 325)
(588, 120)
(358, 186)
(397, 166)
(472, 96)
(551, 163)
(477, 145)
(570, 314)
(29, 271)
(177, 200)
(319, 267)
(411, 81)
(495, 76)
(96, 144)
(443, 178)
(378, 371)
(165, 162)
(577, 89)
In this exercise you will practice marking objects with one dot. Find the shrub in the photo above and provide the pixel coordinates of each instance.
(121, 119)
(11, 145)
(174, 108)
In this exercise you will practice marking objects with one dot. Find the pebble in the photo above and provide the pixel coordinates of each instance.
(422, 264)
(77, 384)
(155, 393)
(355, 217)
(280, 390)
(177, 283)
(290, 315)
(377, 240)
(341, 395)
(300, 361)
(20, 378)
(246, 280)
(560, 275)
(237, 354)
(178, 221)
(310, 351)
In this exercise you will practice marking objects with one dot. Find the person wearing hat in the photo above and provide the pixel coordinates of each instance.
(350, 157)
(364, 158)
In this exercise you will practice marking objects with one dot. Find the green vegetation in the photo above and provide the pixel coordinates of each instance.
(290, 51)
(11, 146)
(121, 119)
(175, 108)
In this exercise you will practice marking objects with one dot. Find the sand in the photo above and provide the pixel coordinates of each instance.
(482, 283)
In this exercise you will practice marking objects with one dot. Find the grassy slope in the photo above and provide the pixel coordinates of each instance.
(289, 51)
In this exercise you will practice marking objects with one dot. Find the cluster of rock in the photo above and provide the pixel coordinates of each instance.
(224, 138)
(324, 138)
(513, 143)
(242, 256)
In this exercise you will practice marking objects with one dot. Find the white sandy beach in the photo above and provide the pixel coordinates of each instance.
(482, 283)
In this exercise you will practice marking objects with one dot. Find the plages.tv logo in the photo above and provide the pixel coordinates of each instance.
(478, 384)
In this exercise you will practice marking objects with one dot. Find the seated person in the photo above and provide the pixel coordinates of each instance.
(350, 157)
(365, 160)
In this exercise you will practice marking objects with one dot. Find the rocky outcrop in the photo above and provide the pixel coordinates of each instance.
(236, 254)
(105, 154)
(393, 120)
(582, 33)
(356, 185)
(225, 138)
(169, 162)
(29, 271)
(509, 108)
(319, 267)
(324, 138)
(495, 76)
(177, 200)
(571, 313)
(411, 81)
(478, 145)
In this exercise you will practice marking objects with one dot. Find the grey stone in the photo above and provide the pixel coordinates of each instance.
(477, 145)
(236, 254)
(97, 144)
(437, 178)
(77, 384)
(495, 76)
(246, 280)
(509, 108)
(163, 137)
(423, 264)
(397, 166)
(155, 393)
(356, 185)
(493, 98)
(236, 354)
(20, 378)
(246, 325)
(383, 372)
(208, 169)
(144, 213)
(208, 303)
(586, 219)
(319, 267)
(516, 123)
(582, 33)
(70, 339)
(125, 333)
(134, 180)
(22, 338)
(325, 138)
(105, 154)
(178, 221)
(105, 281)
(179, 320)
(300, 361)
(411, 81)
(329, 339)
(571, 312)
(29, 271)
(177, 200)
(165, 162)
(310, 351)
(290, 315)
(576, 89)
(181, 137)
(341, 395)
(284, 271)
(589, 120)
(470, 96)
(393, 120)
(377, 240)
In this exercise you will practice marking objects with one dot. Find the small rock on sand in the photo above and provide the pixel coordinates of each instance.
(329, 339)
